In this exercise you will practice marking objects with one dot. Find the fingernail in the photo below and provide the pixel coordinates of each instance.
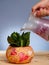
(37, 13)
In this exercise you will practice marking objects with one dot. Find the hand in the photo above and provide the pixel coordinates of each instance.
(41, 9)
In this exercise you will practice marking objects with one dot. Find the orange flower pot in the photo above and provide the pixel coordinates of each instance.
(19, 54)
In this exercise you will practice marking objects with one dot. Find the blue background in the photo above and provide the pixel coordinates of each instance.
(13, 14)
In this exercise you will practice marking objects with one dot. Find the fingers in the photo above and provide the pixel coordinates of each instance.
(42, 12)
(37, 9)
(37, 6)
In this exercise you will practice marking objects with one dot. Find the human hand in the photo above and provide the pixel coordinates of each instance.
(41, 9)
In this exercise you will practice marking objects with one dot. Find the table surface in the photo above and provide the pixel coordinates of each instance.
(41, 58)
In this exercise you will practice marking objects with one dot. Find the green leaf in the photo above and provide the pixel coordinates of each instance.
(14, 35)
(10, 40)
(17, 40)
(21, 43)
(27, 38)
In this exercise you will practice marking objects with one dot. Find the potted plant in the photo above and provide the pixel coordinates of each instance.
(19, 50)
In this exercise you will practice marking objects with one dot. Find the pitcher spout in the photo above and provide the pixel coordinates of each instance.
(26, 26)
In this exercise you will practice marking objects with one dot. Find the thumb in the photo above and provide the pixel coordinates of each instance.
(36, 7)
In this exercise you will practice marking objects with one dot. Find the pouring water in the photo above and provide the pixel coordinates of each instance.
(39, 26)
